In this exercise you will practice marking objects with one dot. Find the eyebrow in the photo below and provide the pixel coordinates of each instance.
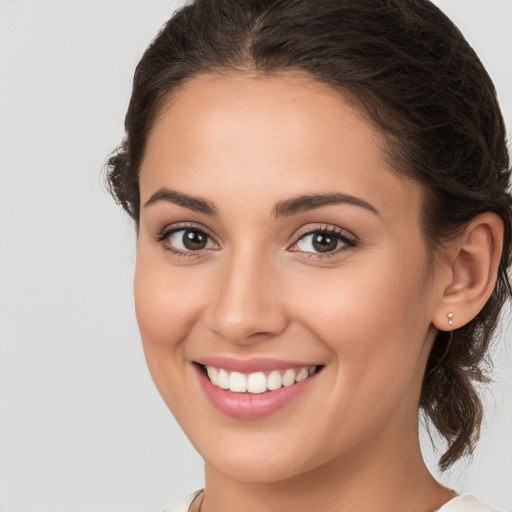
(310, 202)
(285, 208)
(192, 203)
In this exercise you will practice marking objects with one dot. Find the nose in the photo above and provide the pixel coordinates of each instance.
(246, 301)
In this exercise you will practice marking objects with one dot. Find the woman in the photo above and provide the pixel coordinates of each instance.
(323, 231)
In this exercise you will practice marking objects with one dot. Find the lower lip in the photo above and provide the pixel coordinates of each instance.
(251, 405)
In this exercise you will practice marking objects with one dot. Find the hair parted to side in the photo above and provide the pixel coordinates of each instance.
(406, 66)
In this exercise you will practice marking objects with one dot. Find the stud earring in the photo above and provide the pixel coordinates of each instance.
(450, 318)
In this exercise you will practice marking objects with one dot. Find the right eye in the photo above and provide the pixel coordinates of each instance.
(184, 241)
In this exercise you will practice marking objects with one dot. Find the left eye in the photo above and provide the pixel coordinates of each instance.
(321, 242)
(190, 240)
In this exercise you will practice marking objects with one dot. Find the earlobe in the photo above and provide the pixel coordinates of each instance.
(472, 274)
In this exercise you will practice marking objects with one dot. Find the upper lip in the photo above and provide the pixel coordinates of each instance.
(252, 365)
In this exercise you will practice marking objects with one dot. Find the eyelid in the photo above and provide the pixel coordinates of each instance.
(331, 228)
(167, 230)
(349, 241)
(164, 234)
(346, 237)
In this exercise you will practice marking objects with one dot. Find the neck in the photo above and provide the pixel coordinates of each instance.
(377, 479)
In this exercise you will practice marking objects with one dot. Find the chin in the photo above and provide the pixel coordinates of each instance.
(246, 469)
(259, 461)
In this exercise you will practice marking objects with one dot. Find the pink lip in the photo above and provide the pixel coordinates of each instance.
(249, 405)
(251, 365)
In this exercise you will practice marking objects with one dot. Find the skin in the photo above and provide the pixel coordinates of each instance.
(369, 313)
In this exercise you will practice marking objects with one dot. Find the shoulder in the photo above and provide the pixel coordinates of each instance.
(465, 503)
(184, 504)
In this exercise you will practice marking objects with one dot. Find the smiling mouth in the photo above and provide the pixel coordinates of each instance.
(257, 382)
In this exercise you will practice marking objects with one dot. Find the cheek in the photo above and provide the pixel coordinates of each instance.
(372, 318)
(363, 301)
(370, 326)
(166, 302)
(166, 310)
(166, 305)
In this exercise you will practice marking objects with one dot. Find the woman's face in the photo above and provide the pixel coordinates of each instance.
(275, 243)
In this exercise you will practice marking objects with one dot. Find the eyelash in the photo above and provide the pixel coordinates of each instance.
(324, 230)
(334, 232)
(167, 232)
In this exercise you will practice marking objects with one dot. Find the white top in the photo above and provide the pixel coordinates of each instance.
(464, 503)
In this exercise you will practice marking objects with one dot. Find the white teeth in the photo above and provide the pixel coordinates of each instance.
(288, 378)
(213, 374)
(274, 380)
(223, 379)
(257, 382)
(237, 382)
(303, 374)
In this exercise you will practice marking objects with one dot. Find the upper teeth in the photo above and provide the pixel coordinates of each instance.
(257, 382)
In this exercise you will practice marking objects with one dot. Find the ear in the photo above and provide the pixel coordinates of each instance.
(472, 268)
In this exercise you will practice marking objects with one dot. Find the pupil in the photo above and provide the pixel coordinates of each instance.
(194, 240)
(324, 243)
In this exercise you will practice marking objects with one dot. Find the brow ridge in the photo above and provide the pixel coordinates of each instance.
(195, 204)
(310, 202)
(284, 208)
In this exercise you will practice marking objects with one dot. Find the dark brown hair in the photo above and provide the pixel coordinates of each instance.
(410, 70)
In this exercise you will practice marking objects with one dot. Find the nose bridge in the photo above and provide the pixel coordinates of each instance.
(247, 301)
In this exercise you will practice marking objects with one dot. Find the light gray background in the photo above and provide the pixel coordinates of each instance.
(81, 426)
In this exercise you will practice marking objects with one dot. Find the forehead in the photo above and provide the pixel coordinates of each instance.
(272, 136)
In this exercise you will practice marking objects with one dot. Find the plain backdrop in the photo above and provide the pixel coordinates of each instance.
(81, 426)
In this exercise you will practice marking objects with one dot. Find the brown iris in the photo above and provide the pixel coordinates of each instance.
(324, 243)
(194, 240)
